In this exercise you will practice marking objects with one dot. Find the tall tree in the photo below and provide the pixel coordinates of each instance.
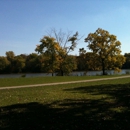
(57, 49)
(49, 47)
(107, 47)
(67, 43)
(10, 56)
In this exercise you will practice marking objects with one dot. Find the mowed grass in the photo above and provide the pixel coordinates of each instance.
(41, 80)
(92, 106)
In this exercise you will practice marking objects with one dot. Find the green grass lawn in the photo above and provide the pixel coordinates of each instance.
(40, 80)
(82, 106)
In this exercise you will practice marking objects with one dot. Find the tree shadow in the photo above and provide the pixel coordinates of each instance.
(73, 114)
(119, 92)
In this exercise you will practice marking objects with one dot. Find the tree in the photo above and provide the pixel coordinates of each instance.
(67, 43)
(107, 47)
(10, 56)
(68, 65)
(3, 64)
(19, 64)
(34, 63)
(81, 60)
(87, 61)
(49, 47)
(57, 51)
(92, 61)
(127, 63)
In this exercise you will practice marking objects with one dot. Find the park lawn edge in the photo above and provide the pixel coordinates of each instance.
(8, 82)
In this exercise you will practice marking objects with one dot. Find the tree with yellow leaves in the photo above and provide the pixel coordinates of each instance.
(57, 58)
(49, 47)
(107, 47)
(67, 43)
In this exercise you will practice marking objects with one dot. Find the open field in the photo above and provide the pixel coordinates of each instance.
(93, 105)
(41, 80)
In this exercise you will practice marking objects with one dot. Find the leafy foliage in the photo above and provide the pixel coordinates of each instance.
(107, 47)
(127, 63)
(57, 58)
(3, 64)
(49, 47)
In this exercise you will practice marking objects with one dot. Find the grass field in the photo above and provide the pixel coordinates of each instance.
(40, 80)
(82, 106)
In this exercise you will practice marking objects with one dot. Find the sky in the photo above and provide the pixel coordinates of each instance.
(24, 22)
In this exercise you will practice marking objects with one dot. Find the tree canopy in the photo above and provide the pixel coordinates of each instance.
(107, 47)
(49, 47)
(57, 53)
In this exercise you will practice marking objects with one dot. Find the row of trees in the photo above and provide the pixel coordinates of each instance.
(54, 55)
(40, 63)
(35, 63)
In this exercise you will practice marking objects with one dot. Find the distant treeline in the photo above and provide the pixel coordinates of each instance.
(35, 63)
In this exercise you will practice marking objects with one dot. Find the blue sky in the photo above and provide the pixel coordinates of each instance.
(24, 22)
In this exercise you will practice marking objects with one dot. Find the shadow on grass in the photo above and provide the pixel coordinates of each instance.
(109, 112)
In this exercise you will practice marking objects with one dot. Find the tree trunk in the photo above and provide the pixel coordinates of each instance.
(103, 66)
(61, 70)
(62, 73)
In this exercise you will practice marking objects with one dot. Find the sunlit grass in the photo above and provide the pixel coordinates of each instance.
(40, 80)
(52, 93)
(93, 105)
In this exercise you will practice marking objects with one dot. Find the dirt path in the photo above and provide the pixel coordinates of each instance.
(70, 82)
